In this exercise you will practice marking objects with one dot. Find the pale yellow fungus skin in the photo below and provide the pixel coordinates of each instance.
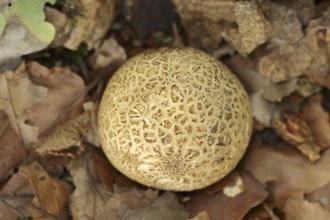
(174, 119)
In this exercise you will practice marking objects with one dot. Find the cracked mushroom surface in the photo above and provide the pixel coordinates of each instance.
(174, 119)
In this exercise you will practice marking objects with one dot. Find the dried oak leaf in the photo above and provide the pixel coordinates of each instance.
(163, 208)
(66, 92)
(297, 207)
(90, 21)
(282, 167)
(105, 205)
(51, 194)
(60, 21)
(201, 216)
(17, 96)
(12, 150)
(295, 131)
(220, 206)
(110, 52)
(321, 196)
(66, 139)
(317, 119)
(249, 75)
(242, 23)
(265, 111)
(15, 198)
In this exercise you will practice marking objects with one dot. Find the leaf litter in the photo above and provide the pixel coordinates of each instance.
(51, 164)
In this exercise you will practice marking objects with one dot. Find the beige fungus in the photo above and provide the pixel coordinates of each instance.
(174, 119)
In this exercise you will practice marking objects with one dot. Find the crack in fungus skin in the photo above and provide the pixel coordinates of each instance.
(174, 119)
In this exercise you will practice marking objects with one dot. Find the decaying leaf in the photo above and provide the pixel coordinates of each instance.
(296, 207)
(219, 206)
(241, 23)
(110, 52)
(60, 22)
(66, 139)
(11, 147)
(320, 196)
(90, 20)
(317, 119)
(51, 194)
(16, 197)
(163, 208)
(282, 167)
(18, 95)
(23, 29)
(64, 99)
(296, 132)
(105, 205)
(201, 216)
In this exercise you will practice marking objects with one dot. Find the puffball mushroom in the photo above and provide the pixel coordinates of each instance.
(174, 119)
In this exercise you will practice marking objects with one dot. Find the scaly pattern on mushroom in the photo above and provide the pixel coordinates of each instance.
(174, 119)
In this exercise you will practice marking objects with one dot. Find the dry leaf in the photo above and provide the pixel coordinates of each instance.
(60, 22)
(15, 198)
(66, 139)
(110, 52)
(51, 194)
(295, 131)
(93, 19)
(219, 206)
(201, 216)
(317, 119)
(105, 205)
(296, 207)
(321, 196)
(250, 77)
(66, 91)
(282, 167)
(163, 208)
(18, 95)
(12, 150)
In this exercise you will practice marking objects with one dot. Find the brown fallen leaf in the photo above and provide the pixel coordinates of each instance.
(105, 205)
(110, 52)
(296, 207)
(201, 216)
(60, 22)
(321, 196)
(51, 194)
(15, 198)
(66, 92)
(17, 96)
(219, 206)
(295, 131)
(93, 19)
(163, 208)
(12, 150)
(317, 119)
(282, 167)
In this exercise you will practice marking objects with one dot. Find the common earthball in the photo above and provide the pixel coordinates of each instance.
(174, 119)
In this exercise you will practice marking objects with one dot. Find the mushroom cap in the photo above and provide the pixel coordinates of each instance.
(174, 119)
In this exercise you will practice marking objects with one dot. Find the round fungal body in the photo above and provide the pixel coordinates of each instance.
(174, 119)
